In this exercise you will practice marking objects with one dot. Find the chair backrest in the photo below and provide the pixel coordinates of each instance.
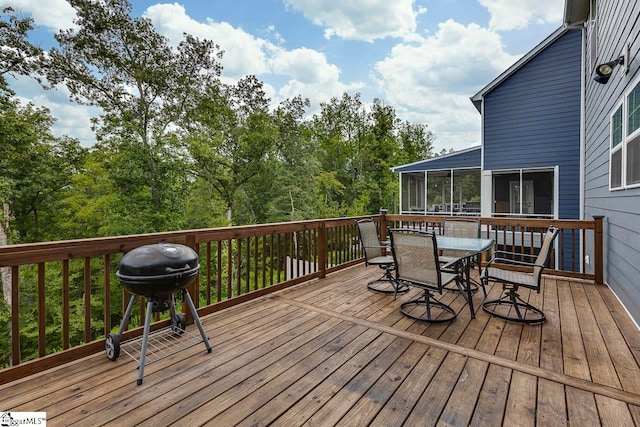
(545, 251)
(459, 227)
(369, 239)
(415, 254)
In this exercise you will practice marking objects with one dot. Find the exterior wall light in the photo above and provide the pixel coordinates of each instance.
(603, 71)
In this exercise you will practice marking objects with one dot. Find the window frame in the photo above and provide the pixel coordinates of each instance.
(627, 139)
(521, 172)
(619, 147)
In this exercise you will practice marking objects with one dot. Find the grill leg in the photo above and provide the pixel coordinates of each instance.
(127, 315)
(145, 340)
(196, 318)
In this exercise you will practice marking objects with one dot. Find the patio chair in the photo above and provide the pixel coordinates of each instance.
(460, 227)
(375, 254)
(416, 256)
(511, 306)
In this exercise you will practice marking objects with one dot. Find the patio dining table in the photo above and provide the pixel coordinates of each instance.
(471, 247)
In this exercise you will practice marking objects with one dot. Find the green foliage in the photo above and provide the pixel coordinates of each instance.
(18, 56)
(177, 149)
(34, 166)
(144, 86)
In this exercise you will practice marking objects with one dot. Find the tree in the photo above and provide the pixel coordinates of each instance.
(288, 192)
(143, 85)
(380, 154)
(18, 56)
(35, 165)
(230, 138)
(416, 142)
(339, 130)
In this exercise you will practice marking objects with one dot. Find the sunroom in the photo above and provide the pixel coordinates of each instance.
(445, 185)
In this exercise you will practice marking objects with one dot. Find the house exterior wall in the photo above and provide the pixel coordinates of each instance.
(532, 119)
(617, 24)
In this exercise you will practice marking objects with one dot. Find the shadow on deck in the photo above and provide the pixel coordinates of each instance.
(331, 352)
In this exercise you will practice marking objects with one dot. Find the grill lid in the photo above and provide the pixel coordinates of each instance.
(158, 260)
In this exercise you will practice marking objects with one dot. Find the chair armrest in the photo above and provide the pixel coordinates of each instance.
(515, 254)
(378, 247)
(513, 262)
(448, 265)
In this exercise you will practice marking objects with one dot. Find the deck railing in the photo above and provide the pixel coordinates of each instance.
(65, 296)
(523, 235)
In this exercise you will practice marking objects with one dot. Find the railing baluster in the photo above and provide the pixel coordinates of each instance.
(263, 266)
(87, 299)
(65, 304)
(256, 242)
(573, 255)
(208, 276)
(239, 266)
(15, 315)
(561, 246)
(219, 272)
(107, 294)
(229, 268)
(42, 332)
(248, 266)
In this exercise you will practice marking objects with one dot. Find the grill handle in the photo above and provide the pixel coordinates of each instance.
(177, 270)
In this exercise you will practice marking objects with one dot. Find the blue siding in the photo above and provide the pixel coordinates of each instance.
(532, 119)
(465, 159)
(618, 23)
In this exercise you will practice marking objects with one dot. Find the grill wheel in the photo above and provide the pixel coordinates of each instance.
(112, 346)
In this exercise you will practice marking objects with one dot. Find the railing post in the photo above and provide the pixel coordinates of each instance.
(323, 250)
(598, 254)
(383, 224)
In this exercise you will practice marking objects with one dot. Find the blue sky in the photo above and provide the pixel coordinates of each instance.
(423, 57)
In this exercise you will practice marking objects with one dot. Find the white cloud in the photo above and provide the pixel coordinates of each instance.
(54, 14)
(306, 71)
(361, 19)
(512, 15)
(305, 65)
(431, 81)
(311, 76)
(243, 53)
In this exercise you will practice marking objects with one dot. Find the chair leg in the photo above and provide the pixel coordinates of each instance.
(481, 282)
(391, 287)
(511, 302)
(443, 313)
(459, 268)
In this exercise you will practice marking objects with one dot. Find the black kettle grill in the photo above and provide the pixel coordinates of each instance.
(156, 272)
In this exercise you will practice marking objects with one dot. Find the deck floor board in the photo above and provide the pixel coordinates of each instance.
(332, 352)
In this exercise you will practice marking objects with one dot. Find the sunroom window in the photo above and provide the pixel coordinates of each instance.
(523, 193)
(442, 192)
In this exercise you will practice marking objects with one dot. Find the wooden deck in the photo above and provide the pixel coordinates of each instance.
(331, 352)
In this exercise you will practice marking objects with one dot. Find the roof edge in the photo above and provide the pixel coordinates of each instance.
(576, 13)
(455, 153)
(477, 98)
